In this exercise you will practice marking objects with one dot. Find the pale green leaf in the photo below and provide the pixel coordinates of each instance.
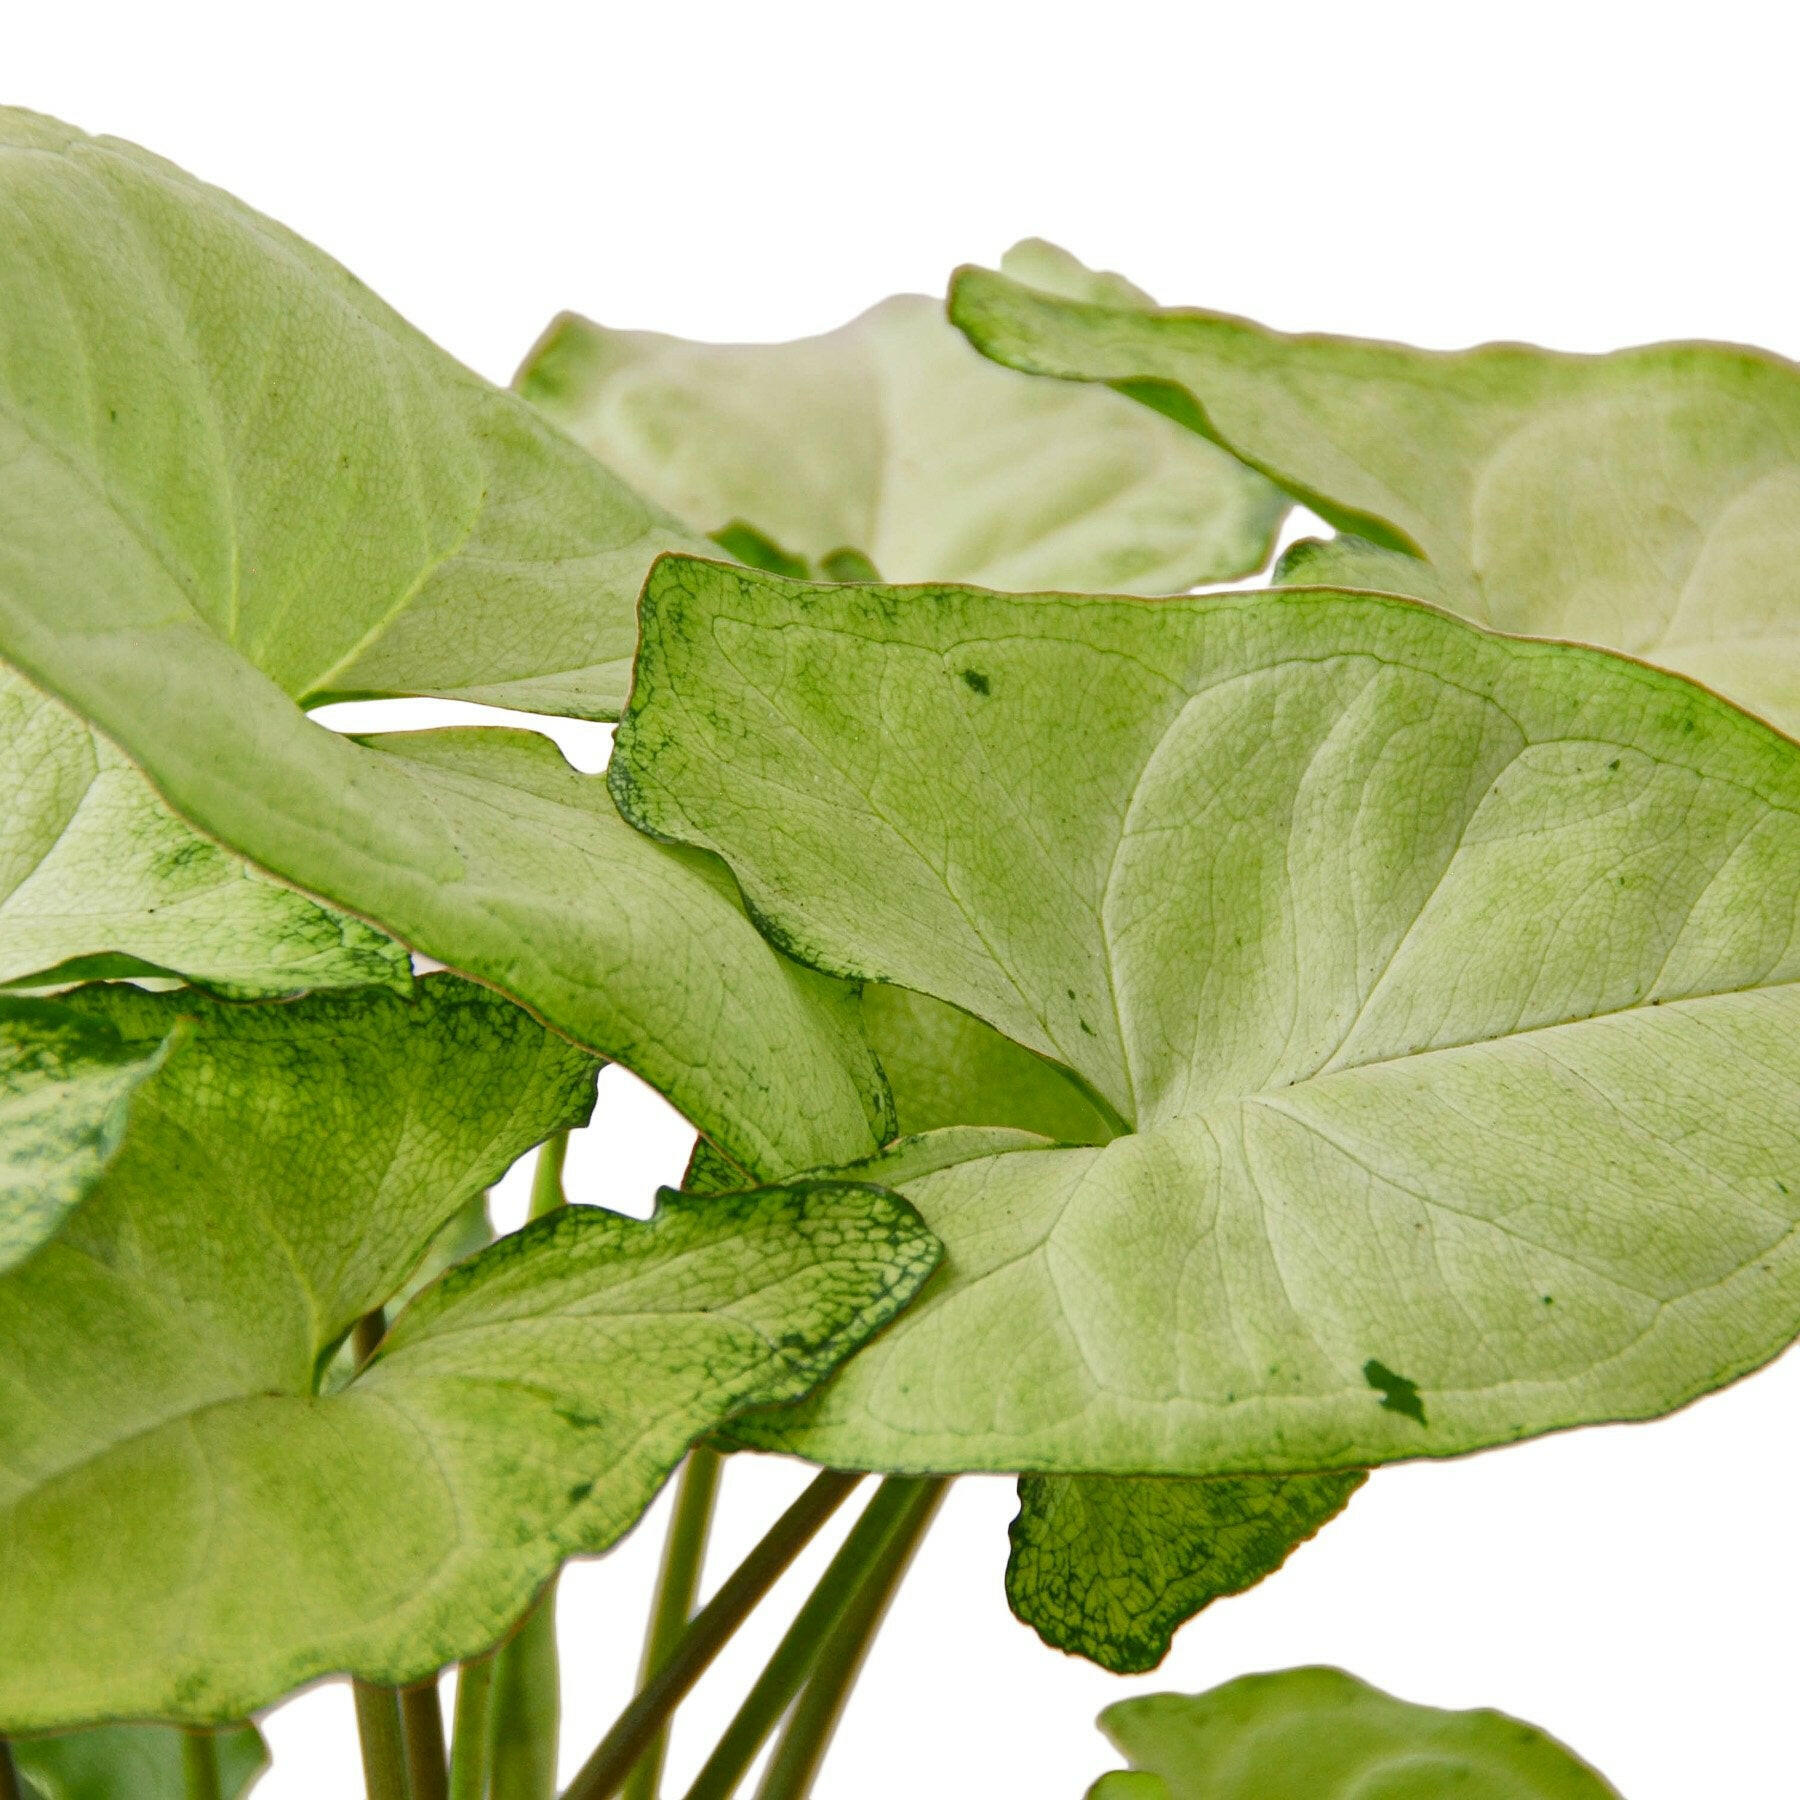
(945, 1067)
(1041, 264)
(1647, 500)
(1448, 986)
(1319, 1734)
(890, 440)
(212, 428)
(98, 877)
(66, 1085)
(1109, 1566)
(236, 482)
(190, 1527)
(133, 1762)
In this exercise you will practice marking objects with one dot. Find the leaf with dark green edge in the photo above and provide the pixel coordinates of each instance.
(285, 456)
(66, 1086)
(1449, 985)
(133, 1762)
(1110, 1566)
(1319, 1734)
(225, 431)
(710, 1171)
(189, 1527)
(1647, 500)
(98, 879)
(946, 1067)
(891, 442)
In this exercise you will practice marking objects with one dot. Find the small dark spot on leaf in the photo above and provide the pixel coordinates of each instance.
(112, 412)
(1549, 1299)
(579, 1492)
(1397, 1393)
(977, 681)
(1613, 764)
(1782, 1185)
(1085, 1026)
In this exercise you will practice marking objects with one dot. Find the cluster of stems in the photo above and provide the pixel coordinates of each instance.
(503, 1742)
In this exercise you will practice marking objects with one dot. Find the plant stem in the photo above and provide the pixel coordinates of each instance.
(526, 1707)
(378, 1708)
(422, 1726)
(10, 1786)
(807, 1734)
(860, 1556)
(525, 1693)
(546, 1179)
(677, 1582)
(199, 1765)
(470, 1748)
(632, 1731)
(383, 1747)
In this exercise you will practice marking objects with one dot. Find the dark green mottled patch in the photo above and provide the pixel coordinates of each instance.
(1397, 1393)
(1109, 1567)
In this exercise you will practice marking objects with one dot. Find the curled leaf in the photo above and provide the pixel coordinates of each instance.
(1647, 500)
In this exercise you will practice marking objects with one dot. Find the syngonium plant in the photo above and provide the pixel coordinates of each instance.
(1186, 1051)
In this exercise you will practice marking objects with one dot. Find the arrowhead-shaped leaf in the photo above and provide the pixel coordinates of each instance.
(236, 484)
(1648, 500)
(211, 429)
(1319, 1734)
(1106, 1567)
(1443, 987)
(132, 1762)
(890, 438)
(1109, 1566)
(99, 878)
(190, 1525)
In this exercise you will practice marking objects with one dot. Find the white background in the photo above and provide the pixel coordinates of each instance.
(1583, 175)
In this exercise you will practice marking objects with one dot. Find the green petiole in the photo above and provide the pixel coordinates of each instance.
(605, 1771)
(808, 1732)
(862, 1558)
(677, 1584)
